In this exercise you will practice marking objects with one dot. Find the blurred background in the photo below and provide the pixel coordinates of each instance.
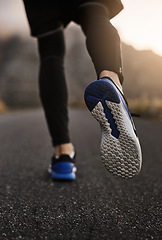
(139, 26)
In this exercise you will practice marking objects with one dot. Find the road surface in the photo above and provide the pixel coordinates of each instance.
(97, 206)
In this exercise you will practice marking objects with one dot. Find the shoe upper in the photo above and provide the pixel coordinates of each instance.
(63, 164)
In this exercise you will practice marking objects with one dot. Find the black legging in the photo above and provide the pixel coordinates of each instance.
(103, 45)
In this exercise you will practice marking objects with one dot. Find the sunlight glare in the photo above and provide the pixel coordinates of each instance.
(139, 24)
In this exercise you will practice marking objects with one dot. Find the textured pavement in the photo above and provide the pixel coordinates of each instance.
(96, 205)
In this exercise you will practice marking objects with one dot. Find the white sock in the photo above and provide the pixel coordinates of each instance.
(72, 155)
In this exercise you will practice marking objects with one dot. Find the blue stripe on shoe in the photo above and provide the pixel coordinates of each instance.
(119, 94)
(111, 120)
(99, 91)
(125, 106)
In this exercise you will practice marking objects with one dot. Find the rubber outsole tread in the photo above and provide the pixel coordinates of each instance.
(121, 157)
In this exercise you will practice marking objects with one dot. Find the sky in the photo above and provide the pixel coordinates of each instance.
(139, 24)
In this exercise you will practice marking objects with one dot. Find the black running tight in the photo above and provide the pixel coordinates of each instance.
(103, 45)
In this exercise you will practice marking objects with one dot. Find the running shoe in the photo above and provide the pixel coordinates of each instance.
(120, 147)
(62, 168)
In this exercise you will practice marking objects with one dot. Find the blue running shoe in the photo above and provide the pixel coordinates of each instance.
(120, 147)
(62, 168)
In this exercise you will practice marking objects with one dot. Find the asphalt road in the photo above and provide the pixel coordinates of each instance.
(95, 206)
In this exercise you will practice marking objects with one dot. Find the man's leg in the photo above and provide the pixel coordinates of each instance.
(102, 41)
(53, 90)
(120, 148)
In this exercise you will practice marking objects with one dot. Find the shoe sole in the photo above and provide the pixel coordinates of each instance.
(120, 149)
(63, 176)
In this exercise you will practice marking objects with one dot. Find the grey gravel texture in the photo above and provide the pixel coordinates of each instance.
(96, 206)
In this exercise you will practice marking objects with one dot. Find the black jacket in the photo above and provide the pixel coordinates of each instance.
(44, 15)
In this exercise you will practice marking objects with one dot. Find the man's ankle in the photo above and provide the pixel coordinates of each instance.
(66, 148)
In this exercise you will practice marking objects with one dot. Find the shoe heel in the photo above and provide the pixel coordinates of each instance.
(64, 171)
(100, 90)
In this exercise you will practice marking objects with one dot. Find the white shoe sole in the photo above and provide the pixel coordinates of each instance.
(121, 156)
